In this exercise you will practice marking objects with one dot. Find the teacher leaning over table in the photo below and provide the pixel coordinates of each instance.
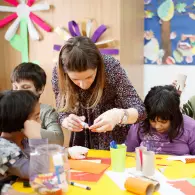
(94, 90)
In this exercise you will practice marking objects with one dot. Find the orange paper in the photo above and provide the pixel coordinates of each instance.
(190, 160)
(88, 167)
(89, 177)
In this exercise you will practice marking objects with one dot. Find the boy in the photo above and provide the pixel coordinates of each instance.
(29, 76)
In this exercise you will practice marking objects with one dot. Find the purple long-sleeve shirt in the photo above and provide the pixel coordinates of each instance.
(159, 143)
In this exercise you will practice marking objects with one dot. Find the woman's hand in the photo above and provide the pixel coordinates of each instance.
(78, 152)
(73, 123)
(107, 121)
(32, 129)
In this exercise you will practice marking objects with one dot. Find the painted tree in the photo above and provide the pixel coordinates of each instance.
(165, 10)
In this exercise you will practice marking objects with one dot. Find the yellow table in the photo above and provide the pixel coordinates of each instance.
(105, 185)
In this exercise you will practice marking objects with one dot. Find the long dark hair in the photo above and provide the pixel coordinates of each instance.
(15, 108)
(164, 102)
(79, 54)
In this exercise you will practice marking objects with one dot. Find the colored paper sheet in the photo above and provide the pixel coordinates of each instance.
(88, 167)
(16, 42)
(20, 43)
(191, 181)
(184, 159)
(24, 35)
(89, 177)
(184, 186)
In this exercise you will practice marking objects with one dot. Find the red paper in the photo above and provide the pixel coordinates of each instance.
(90, 177)
(184, 186)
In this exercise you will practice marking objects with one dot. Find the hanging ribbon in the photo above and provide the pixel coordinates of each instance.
(97, 34)
(74, 28)
(57, 47)
(109, 51)
(86, 27)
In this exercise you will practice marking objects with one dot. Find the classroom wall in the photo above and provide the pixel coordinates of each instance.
(123, 17)
(165, 74)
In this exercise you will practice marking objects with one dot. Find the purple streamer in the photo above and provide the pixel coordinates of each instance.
(74, 28)
(103, 51)
(97, 34)
(109, 51)
(57, 47)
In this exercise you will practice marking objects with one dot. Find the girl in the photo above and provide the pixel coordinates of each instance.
(20, 130)
(94, 89)
(165, 130)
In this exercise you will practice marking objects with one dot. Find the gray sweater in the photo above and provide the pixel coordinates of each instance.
(50, 127)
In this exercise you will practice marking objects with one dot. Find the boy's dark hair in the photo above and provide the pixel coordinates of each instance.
(29, 71)
(15, 108)
(164, 102)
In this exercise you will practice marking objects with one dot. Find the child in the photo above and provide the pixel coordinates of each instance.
(166, 130)
(29, 76)
(20, 130)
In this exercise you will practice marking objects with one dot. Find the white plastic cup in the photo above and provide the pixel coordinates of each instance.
(148, 168)
(138, 156)
(181, 80)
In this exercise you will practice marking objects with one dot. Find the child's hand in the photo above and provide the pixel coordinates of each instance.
(32, 129)
(78, 152)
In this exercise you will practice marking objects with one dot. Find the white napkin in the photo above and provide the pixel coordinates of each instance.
(78, 152)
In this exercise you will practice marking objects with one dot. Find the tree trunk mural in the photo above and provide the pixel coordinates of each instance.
(165, 39)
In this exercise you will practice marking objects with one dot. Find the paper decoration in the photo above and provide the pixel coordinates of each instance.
(181, 7)
(85, 29)
(148, 14)
(147, 2)
(23, 16)
(20, 43)
(169, 36)
(166, 10)
(152, 51)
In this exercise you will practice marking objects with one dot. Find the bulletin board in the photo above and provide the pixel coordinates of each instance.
(169, 33)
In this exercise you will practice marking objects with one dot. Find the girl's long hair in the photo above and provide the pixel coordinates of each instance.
(164, 102)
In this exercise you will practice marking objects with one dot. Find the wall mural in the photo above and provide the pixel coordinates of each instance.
(169, 36)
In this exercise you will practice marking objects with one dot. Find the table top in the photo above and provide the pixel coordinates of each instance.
(172, 170)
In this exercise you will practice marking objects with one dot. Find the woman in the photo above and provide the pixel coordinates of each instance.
(94, 89)
(165, 130)
(20, 130)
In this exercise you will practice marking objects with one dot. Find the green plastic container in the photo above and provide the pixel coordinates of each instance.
(118, 158)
